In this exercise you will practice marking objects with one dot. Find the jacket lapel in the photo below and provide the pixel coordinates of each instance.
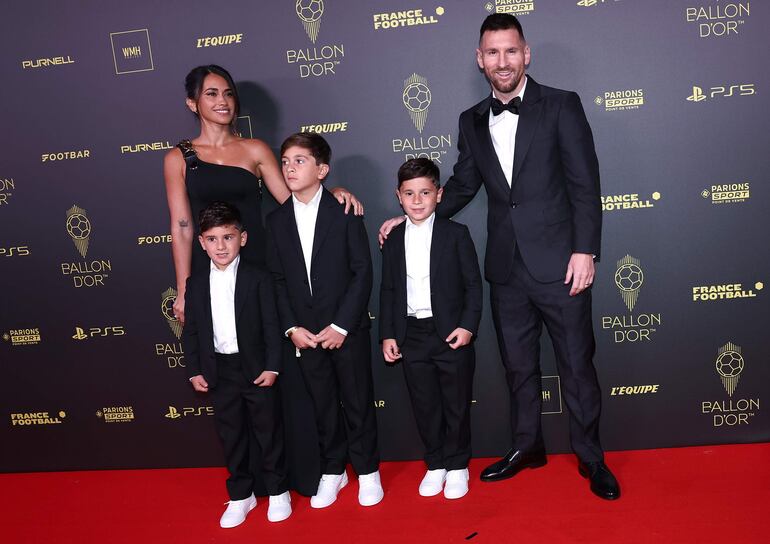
(323, 222)
(489, 161)
(243, 282)
(529, 117)
(438, 239)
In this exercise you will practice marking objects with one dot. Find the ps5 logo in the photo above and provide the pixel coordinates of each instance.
(721, 91)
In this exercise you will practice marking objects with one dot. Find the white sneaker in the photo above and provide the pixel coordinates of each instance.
(280, 507)
(328, 488)
(456, 484)
(433, 482)
(370, 489)
(236, 512)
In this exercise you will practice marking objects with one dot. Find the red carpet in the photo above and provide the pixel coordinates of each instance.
(706, 494)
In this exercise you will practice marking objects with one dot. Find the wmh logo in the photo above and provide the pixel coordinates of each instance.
(134, 52)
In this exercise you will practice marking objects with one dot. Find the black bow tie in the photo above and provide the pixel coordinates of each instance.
(512, 106)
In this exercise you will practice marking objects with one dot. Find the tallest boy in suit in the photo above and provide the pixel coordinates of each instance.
(532, 149)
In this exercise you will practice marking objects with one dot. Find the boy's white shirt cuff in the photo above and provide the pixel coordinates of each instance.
(340, 330)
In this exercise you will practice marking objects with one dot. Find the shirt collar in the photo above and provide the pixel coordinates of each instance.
(231, 269)
(427, 223)
(312, 203)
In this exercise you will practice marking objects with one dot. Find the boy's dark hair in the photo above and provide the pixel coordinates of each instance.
(419, 168)
(311, 141)
(219, 214)
(500, 21)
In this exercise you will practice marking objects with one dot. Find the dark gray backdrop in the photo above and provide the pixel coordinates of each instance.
(675, 93)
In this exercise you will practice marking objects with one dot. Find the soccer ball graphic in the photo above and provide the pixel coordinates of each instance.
(167, 308)
(78, 226)
(309, 10)
(629, 277)
(416, 97)
(729, 364)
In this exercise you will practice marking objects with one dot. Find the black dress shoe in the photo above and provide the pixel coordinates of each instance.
(603, 483)
(510, 465)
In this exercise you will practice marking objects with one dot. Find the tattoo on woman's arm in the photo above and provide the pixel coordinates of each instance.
(184, 223)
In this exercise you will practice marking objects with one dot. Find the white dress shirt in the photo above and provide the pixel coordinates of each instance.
(222, 286)
(305, 215)
(502, 129)
(417, 241)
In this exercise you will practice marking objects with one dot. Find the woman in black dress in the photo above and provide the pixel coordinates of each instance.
(220, 165)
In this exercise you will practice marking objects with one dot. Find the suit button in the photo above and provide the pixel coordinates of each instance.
(514, 204)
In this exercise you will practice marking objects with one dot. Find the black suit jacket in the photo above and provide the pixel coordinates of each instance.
(553, 206)
(256, 323)
(341, 268)
(455, 281)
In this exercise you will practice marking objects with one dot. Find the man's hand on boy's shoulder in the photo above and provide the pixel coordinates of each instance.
(266, 379)
(388, 226)
(199, 383)
(390, 350)
(459, 337)
(330, 338)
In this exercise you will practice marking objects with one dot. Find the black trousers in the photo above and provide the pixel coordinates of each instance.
(519, 308)
(440, 383)
(246, 416)
(340, 384)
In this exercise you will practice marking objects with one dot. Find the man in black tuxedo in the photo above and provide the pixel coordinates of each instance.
(532, 149)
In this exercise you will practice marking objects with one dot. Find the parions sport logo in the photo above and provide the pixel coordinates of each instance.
(514, 7)
(728, 193)
(23, 337)
(621, 100)
(635, 326)
(718, 19)
(416, 98)
(320, 60)
(729, 366)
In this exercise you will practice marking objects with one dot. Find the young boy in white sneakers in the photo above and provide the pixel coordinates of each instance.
(320, 260)
(430, 307)
(232, 347)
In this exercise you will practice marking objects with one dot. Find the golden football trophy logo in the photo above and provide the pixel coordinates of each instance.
(80, 334)
(167, 300)
(697, 95)
(629, 278)
(79, 228)
(310, 12)
(416, 98)
(729, 366)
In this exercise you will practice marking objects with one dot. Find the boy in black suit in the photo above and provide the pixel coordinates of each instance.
(232, 349)
(430, 307)
(320, 260)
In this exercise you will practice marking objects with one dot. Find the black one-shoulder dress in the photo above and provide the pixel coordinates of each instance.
(207, 182)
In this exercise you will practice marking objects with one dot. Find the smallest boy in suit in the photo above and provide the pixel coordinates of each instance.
(430, 307)
(320, 259)
(232, 347)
